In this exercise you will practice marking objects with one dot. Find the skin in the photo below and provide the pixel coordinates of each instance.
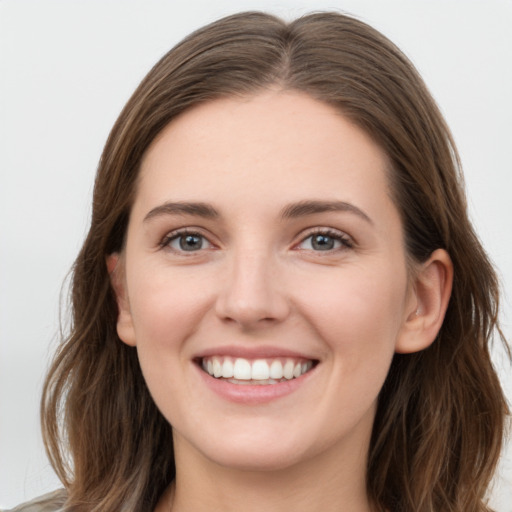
(258, 283)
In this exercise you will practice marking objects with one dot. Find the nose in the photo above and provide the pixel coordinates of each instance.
(252, 294)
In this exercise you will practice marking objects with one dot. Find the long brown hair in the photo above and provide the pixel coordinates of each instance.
(440, 420)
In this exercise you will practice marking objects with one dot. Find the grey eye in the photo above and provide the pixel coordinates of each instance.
(325, 242)
(322, 242)
(191, 242)
(188, 242)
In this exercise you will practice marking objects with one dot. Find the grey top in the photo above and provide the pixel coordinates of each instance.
(51, 502)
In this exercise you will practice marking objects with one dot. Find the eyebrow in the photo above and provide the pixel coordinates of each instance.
(183, 208)
(304, 208)
(291, 211)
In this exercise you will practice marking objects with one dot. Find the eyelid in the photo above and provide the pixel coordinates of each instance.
(176, 233)
(346, 241)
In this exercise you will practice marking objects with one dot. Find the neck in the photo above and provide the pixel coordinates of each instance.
(325, 483)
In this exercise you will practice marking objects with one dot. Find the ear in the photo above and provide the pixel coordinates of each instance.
(426, 306)
(125, 328)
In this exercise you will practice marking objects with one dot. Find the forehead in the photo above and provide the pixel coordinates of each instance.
(271, 146)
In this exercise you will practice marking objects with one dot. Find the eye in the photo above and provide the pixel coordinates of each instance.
(186, 241)
(325, 241)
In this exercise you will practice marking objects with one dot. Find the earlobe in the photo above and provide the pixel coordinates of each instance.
(428, 303)
(115, 270)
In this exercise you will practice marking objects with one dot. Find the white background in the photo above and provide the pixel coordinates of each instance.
(67, 68)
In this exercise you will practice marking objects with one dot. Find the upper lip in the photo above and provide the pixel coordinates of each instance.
(259, 352)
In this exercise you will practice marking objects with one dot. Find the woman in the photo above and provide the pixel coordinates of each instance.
(281, 301)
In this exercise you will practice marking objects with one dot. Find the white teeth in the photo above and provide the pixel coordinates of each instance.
(241, 370)
(288, 370)
(227, 368)
(260, 370)
(217, 367)
(264, 371)
(276, 369)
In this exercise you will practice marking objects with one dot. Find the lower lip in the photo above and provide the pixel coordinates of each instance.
(253, 394)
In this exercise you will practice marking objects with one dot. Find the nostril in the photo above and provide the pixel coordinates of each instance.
(258, 311)
(249, 296)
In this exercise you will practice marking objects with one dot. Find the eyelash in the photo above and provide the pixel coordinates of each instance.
(344, 240)
(176, 235)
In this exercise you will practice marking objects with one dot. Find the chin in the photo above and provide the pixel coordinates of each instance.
(257, 459)
(250, 449)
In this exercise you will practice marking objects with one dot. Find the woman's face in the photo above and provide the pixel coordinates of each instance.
(264, 281)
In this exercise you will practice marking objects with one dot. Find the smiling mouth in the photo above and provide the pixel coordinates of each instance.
(255, 372)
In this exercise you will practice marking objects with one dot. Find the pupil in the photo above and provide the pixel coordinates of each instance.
(190, 242)
(323, 242)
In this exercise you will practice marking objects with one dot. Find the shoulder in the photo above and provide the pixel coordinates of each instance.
(51, 502)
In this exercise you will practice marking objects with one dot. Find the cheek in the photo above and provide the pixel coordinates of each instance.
(358, 313)
(163, 301)
(358, 317)
(166, 311)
